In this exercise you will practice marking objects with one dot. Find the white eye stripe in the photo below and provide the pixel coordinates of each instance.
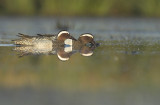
(61, 58)
(89, 35)
(63, 32)
(89, 54)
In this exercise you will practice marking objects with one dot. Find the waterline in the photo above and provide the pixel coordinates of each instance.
(7, 45)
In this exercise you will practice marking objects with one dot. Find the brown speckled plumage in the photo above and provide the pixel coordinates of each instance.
(33, 40)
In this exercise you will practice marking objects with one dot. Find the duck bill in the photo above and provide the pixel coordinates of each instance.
(97, 44)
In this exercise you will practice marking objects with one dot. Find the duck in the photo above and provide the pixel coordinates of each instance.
(62, 44)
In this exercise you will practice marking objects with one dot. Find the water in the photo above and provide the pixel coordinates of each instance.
(123, 70)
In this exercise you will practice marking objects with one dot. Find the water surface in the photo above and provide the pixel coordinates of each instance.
(123, 70)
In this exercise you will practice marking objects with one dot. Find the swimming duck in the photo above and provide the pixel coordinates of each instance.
(63, 44)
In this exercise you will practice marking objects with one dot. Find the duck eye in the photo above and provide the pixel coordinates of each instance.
(89, 44)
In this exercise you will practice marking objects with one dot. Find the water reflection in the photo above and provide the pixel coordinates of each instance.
(63, 45)
(59, 51)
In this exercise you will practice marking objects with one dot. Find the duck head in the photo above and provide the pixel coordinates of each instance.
(85, 45)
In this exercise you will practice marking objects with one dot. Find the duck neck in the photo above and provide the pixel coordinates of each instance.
(77, 45)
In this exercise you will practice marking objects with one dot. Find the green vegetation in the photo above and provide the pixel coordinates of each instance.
(81, 7)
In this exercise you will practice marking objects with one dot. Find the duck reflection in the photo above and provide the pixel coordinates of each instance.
(63, 45)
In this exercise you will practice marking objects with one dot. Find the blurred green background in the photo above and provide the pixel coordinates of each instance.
(143, 8)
